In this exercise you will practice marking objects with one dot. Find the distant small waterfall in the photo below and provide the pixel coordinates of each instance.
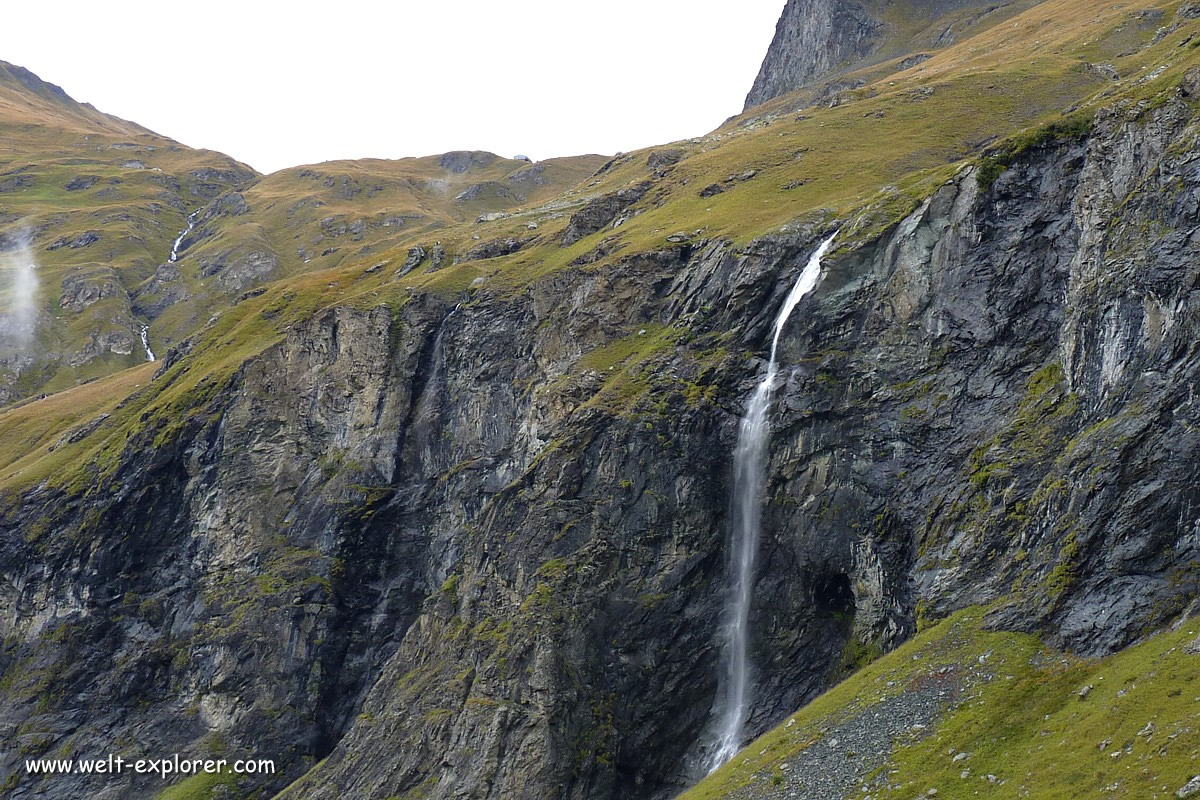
(749, 477)
(191, 223)
(145, 331)
(171, 259)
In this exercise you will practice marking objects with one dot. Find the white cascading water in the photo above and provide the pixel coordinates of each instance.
(749, 476)
(171, 259)
(146, 342)
(191, 223)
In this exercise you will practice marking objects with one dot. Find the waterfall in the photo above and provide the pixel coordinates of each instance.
(749, 476)
(191, 223)
(145, 331)
(171, 259)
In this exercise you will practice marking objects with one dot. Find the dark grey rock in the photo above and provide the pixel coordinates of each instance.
(84, 240)
(81, 289)
(437, 257)
(660, 160)
(495, 248)
(82, 182)
(415, 256)
(813, 37)
(15, 183)
(532, 177)
(911, 61)
(461, 161)
(232, 205)
(488, 190)
(438, 550)
(606, 248)
(817, 40)
(600, 212)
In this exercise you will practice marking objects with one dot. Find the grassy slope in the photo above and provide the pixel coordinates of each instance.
(1022, 721)
(199, 787)
(36, 426)
(144, 186)
(316, 217)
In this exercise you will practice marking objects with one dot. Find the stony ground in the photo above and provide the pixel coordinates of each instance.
(848, 757)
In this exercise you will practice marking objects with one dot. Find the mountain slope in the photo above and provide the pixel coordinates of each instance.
(963, 710)
(311, 218)
(98, 203)
(93, 203)
(32, 106)
(455, 526)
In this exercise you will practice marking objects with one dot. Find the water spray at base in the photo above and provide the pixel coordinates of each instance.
(18, 292)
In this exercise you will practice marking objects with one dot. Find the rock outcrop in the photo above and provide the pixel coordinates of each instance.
(812, 39)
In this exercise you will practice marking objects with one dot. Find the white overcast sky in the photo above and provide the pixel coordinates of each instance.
(280, 84)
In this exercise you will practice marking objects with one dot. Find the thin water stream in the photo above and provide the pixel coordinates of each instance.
(171, 259)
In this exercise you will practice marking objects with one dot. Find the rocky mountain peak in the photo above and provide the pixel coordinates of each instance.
(16, 76)
(817, 40)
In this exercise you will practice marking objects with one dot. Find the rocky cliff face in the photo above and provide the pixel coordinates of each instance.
(448, 517)
(812, 39)
(476, 550)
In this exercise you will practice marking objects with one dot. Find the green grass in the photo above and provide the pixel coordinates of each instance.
(1034, 433)
(1026, 724)
(27, 431)
(867, 162)
(198, 787)
(306, 218)
(637, 345)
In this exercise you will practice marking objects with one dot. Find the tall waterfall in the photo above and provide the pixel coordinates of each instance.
(749, 476)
